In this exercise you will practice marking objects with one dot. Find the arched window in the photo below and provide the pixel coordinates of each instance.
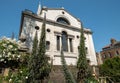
(64, 41)
(63, 20)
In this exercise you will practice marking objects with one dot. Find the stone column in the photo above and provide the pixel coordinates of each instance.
(68, 44)
(60, 42)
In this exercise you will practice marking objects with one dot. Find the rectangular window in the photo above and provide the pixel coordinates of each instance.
(58, 43)
(86, 49)
(117, 53)
(71, 46)
(47, 45)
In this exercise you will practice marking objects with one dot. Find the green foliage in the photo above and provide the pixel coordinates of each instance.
(11, 58)
(39, 68)
(1, 79)
(8, 50)
(44, 66)
(91, 80)
(17, 77)
(82, 64)
(111, 68)
(33, 62)
(19, 74)
(68, 76)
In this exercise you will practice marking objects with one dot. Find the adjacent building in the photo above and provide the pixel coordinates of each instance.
(99, 58)
(111, 50)
(62, 29)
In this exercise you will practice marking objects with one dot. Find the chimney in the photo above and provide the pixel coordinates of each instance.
(113, 41)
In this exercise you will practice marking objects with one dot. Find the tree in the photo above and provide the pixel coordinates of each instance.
(33, 62)
(68, 76)
(44, 66)
(111, 68)
(11, 58)
(38, 65)
(82, 64)
(9, 51)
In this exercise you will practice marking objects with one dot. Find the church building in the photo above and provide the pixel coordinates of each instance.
(62, 29)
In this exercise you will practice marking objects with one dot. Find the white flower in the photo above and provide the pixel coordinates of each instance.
(26, 77)
(19, 56)
(2, 60)
(21, 71)
(10, 80)
(4, 45)
(5, 56)
(3, 51)
(13, 55)
(10, 46)
(9, 53)
(9, 58)
(15, 49)
(12, 75)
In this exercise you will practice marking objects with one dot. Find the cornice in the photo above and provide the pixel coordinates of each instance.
(45, 8)
(48, 21)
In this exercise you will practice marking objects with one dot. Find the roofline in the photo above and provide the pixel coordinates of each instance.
(109, 49)
(45, 8)
(35, 16)
(21, 23)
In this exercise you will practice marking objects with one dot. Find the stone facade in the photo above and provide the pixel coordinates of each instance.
(111, 50)
(99, 59)
(62, 29)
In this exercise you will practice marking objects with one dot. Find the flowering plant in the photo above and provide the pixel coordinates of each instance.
(8, 49)
(20, 76)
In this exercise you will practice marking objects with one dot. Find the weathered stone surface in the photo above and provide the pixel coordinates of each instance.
(27, 30)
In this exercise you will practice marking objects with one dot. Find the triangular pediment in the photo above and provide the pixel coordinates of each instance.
(56, 13)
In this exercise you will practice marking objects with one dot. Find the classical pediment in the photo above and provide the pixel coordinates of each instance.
(60, 15)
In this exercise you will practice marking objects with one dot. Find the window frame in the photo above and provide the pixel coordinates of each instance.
(63, 20)
(64, 41)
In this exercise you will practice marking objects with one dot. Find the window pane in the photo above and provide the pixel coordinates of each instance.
(71, 46)
(64, 41)
(86, 49)
(58, 43)
(117, 53)
(63, 20)
(47, 45)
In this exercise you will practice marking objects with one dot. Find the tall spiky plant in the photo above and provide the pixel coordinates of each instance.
(82, 64)
(44, 66)
(68, 75)
(33, 62)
